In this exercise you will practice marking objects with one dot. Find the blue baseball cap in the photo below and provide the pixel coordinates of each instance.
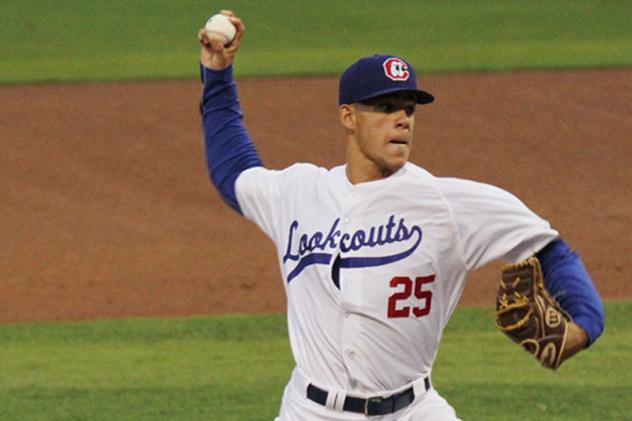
(379, 75)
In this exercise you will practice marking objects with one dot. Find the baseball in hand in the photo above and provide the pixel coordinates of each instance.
(219, 28)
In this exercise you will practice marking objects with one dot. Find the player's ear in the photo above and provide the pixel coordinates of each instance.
(347, 116)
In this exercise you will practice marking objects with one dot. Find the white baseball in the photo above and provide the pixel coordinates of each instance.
(218, 27)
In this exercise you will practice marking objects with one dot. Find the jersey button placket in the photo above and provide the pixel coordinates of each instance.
(346, 219)
(348, 354)
(344, 228)
(347, 212)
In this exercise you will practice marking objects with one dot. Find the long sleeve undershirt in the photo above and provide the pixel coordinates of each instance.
(229, 150)
(568, 281)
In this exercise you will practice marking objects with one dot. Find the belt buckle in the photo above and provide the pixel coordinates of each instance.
(376, 399)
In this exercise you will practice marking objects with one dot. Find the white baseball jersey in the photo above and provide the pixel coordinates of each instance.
(373, 271)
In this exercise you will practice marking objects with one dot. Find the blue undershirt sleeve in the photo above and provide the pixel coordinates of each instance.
(566, 279)
(229, 150)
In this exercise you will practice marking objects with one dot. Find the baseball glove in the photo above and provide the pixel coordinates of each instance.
(529, 315)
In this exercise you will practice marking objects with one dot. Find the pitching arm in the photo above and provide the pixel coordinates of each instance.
(229, 150)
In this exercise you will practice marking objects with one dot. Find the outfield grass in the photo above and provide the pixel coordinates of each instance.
(235, 368)
(154, 39)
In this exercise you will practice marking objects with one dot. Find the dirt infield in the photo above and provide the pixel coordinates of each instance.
(106, 209)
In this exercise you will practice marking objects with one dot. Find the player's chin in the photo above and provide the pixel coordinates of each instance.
(395, 163)
(398, 156)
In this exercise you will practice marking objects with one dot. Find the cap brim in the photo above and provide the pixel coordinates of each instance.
(421, 97)
(424, 97)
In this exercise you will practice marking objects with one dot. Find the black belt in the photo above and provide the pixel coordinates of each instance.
(371, 406)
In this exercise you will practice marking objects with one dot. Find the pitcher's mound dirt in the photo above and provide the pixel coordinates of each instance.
(106, 209)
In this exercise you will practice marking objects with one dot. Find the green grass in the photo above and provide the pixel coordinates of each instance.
(223, 368)
(235, 368)
(154, 39)
(486, 377)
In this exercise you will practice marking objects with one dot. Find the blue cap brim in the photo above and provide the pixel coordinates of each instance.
(421, 97)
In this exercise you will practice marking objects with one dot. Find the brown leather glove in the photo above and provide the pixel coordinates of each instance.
(529, 315)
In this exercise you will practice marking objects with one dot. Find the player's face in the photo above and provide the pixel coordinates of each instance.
(382, 134)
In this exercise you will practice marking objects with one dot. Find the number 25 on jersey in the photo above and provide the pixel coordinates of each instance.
(410, 287)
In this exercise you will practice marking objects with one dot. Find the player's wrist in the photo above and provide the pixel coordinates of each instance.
(209, 74)
(576, 340)
(215, 63)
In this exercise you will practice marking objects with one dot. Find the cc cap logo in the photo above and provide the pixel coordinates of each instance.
(396, 69)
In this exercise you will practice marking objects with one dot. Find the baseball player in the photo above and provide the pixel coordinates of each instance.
(374, 253)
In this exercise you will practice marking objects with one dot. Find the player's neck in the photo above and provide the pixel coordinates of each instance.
(362, 171)
(362, 168)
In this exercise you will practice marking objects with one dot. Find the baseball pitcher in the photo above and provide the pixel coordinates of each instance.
(374, 253)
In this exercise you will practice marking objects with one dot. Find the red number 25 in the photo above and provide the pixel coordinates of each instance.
(420, 294)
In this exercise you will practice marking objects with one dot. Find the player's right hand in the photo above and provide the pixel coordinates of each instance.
(213, 54)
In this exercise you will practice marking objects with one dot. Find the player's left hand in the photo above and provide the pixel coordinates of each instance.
(213, 54)
(527, 314)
